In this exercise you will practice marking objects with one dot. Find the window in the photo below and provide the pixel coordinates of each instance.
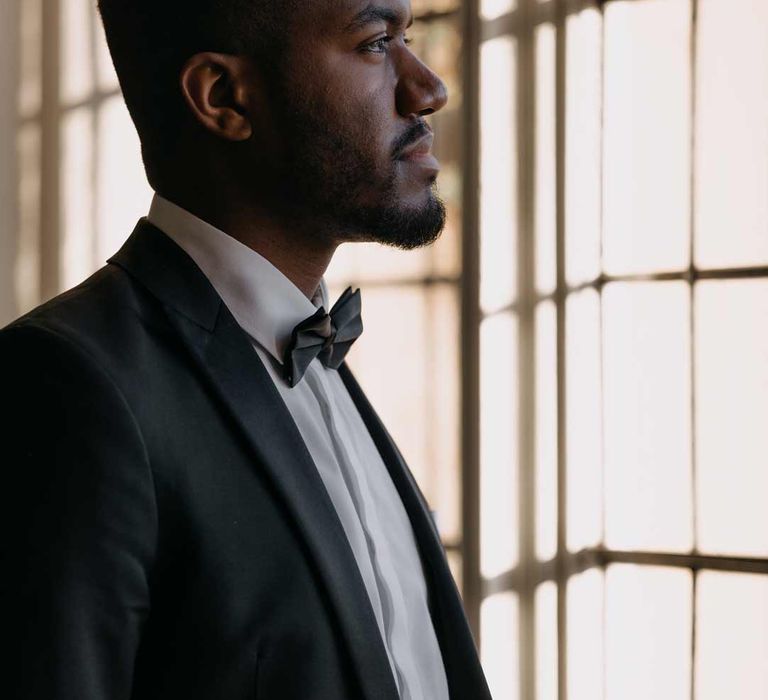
(621, 331)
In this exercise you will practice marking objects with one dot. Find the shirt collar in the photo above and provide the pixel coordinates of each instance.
(264, 302)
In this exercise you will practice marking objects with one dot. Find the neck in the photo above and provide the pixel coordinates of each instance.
(301, 256)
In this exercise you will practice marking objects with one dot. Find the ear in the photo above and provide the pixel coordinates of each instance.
(215, 87)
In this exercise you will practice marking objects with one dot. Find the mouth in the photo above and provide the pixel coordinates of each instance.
(419, 155)
(423, 160)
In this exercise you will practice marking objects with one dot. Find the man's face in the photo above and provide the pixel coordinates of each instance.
(348, 141)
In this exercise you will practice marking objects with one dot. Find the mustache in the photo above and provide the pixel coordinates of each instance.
(418, 130)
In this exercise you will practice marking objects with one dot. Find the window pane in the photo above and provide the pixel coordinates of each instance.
(77, 259)
(731, 636)
(546, 430)
(30, 56)
(732, 133)
(495, 8)
(76, 74)
(455, 564)
(732, 416)
(498, 646)
(583, 421)
(583, 109)
(546, 201)
(420, 7)
(585, 636)
(647, 415)
(498, 444)
(648, 633)
(647, 135)
(421, 412)
(442, 376)
(498, 174)
(106, 76)
(27, 264)
(546, 641)
(375, 262)
(124, 194)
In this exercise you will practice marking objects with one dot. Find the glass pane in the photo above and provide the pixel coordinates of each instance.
(498, 444)
(455, 564)
(731, 636)
(491, 9)
(585, 636)
(124, 194)
(498, 174)
(76, 75)
(546, 430)
(374, 262)
(30, 56)
(498, 645)
(408, 408)
(106, 76)
(420, 7)
(647, 136)
(546, 641)
(583, 110)
(546, 200)
(732, 133)
(27, 267)
(647, 415)
(648, 613)
(732, 416)
(442, 376)
(77, 259)
(583, 420)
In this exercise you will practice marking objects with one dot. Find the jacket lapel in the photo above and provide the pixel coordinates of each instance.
(226, 358)
(462, 666)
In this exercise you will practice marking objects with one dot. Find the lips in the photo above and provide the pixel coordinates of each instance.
(420, 148)
(419, 154)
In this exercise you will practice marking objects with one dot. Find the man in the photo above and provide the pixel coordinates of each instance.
(199, 501)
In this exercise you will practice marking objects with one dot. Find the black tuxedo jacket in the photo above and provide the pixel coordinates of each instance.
(165, 533)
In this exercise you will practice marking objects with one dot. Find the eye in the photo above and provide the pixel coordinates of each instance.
(380, 45)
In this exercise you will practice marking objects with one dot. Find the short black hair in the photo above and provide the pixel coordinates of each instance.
(150, 40)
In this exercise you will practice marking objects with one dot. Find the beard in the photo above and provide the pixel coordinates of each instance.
(326, 181)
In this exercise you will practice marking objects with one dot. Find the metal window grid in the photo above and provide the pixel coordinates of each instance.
(521, 23)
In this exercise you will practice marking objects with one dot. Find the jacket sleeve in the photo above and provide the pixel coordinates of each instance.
(78, 523)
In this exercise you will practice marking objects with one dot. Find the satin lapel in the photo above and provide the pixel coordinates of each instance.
(225, 357)
(462, 666)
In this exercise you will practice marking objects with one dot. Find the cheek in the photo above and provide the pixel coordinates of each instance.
(352, 99)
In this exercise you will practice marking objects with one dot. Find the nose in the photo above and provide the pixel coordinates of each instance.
(419, 90)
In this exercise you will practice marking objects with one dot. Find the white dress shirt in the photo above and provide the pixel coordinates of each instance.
(267, 305)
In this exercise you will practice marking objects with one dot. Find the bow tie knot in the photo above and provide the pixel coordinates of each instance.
(330, 339)
(327, 336)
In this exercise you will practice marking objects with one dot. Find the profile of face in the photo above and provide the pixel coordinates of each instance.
(355, 146)
(342, 143)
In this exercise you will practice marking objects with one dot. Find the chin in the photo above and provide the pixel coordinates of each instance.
(411, 226)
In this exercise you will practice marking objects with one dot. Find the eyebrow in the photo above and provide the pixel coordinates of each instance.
(375, 13)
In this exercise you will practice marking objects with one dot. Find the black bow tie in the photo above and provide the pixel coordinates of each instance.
(325, 335)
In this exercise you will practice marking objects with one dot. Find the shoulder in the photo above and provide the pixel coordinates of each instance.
(102, 322)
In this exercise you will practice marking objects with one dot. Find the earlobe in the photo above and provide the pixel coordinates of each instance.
(210, 86)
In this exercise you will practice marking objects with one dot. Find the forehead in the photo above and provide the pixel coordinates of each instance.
(349, 15)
